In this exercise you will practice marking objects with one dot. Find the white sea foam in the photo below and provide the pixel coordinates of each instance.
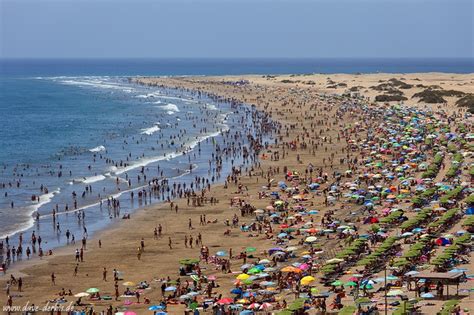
(90, 179)
(211, 107)
(150, 131)
(170, 107)
(144, 162)
(103, 82)
(93, 179)
(149, 95)
(31, 210)
(98, 149)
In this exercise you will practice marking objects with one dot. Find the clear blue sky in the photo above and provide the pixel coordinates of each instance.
(236, 28)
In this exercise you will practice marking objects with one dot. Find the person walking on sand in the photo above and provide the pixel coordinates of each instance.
(117, 294)
(190, 224)
(104, 274)
(75, 270)
(169, 242)
(139, 253)
(53, 278)
(142, 244)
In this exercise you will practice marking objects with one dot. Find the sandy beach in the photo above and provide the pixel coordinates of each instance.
(315, 123)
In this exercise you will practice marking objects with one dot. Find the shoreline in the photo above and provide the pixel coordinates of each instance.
(141, 215)
(178, 157)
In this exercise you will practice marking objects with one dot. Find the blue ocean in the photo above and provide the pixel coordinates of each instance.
(80, 130)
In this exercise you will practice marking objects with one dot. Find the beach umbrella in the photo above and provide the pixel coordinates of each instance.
(307, 280)
(243, 276)
(291, 269)
(130, 313)
(314, 290)
(221, 253)
(311, 239)
(267, 283)
(247, 312)
(337, 283)
(253, 306)
(245, 266)
(128, 284)
(185, 297)
(236, 306)
(225, 301)
(412, 273)
(161, 313)
(367, 286)
(81, 294)
(236, 291)
(156, 307)
(395, 292)
(282, 235)
(170, 288)
(264, 261)
(254, 270)
(391, 277)
(427, 295)
(313, 211)
(92, 290)
(350, 284)
(250, 249)
(334, 260)
(265, 306)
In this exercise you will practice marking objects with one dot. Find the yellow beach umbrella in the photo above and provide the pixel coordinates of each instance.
(128, 284)
(307, 280)
(243, 276)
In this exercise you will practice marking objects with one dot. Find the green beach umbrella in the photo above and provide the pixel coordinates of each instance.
(337, 283)
(254, 271)
(92, 290)
(350, 284)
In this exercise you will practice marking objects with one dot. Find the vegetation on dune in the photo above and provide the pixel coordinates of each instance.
(400, 84)
(435, 96)
(467, 101)
(390, 98)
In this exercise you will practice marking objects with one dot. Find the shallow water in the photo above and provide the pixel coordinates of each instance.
(69, 133)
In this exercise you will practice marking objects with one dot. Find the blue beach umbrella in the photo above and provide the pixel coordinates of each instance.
(427, 295)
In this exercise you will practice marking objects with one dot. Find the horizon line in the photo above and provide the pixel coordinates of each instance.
(229, 58)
